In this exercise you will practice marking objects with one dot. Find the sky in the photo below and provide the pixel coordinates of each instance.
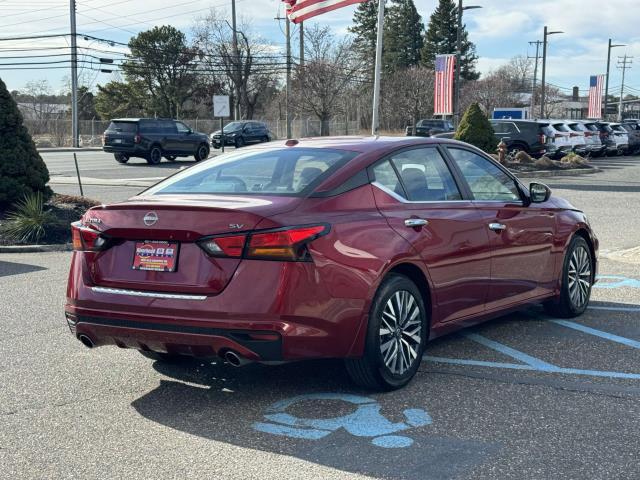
(501, 29)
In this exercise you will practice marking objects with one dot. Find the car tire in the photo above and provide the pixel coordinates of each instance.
(155, 155)
(121, 157)
(202, 153)
(240, 142)
(576, 282)
(171, 158)
(163, 357)
(264, 139)
(379, 368)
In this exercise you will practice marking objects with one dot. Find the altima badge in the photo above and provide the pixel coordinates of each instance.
(150, 219)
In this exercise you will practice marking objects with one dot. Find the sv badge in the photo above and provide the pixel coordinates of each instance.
(236, 226)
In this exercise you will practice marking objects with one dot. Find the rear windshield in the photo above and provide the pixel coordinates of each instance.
(561, 127)
(123, 127)
(591, 126)
(578, 127)
(285, 171)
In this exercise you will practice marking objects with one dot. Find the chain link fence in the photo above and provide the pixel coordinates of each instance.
(51, 133)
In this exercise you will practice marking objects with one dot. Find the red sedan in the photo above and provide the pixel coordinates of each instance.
(354, 248)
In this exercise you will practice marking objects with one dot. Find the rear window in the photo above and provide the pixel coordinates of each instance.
(288, 171)
(123, 127)
(591, 127)
(578, 127)
(561, 127)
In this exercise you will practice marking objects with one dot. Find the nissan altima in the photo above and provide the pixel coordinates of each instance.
(362, 249)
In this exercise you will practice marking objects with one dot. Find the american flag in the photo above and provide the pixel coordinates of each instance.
(300, 10)
(595, 96)
(443, 102)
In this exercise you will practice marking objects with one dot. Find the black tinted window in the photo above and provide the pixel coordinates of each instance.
(425, 176)
(123, 127)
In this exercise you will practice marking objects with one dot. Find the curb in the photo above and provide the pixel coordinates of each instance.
(64, 247)
(555, 173)
(69, 150)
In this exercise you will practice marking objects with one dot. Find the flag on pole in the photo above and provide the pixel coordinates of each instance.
(300, 10)
(595, 96)
(443, 99)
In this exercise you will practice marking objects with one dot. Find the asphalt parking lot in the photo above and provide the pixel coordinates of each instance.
(523, 396)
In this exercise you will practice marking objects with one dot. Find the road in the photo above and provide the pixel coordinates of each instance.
(522, 397)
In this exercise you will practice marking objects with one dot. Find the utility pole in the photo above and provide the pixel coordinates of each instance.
(456, 94)
(301, 72)
(535, 75)
(236, 54)
(375, 123)
(624, 64)
(74, 77)
(288, 97)
(456, 110)
(544, 68)
(606, 88)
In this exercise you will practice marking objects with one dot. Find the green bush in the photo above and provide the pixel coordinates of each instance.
(29, 221)
(22, 171)
(475, 129)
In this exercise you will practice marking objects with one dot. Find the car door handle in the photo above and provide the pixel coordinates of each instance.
(416, 222)
(497, 227)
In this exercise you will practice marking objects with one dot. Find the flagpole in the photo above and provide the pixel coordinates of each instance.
(375, 124)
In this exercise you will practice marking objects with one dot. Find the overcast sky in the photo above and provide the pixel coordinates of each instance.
(501, 30)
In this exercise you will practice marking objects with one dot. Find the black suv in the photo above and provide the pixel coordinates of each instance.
(429, 127)
(239, 134)
(152, 139)
(522, 136)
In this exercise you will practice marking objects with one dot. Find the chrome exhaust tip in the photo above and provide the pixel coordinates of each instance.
(86, 341)
(235, 360)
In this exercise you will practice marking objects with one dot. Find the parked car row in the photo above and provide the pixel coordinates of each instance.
(157, 138)
(557, 138)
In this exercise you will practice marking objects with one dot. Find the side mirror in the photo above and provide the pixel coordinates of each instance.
(539, 192)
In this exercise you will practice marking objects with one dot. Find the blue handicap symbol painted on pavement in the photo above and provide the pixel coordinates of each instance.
(365, 421)
(616, 281)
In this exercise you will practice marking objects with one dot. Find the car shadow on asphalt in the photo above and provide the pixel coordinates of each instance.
(309, 410)
(10, 268)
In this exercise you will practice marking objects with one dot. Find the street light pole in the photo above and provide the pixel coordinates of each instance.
(606, 88)
(544, 69)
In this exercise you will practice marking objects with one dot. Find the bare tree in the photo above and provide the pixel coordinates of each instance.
(520, 69)
(331, 69)
(251, 73)
(408, 97)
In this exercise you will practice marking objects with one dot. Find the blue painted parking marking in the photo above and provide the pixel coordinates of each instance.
(615, 309)
(531, 363)
(598, 333)
(365, 421)
(616, 281)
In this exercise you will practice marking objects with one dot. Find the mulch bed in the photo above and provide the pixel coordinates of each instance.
(66, 209)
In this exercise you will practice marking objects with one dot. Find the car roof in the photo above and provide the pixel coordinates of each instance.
(361, 144)
(139, 119)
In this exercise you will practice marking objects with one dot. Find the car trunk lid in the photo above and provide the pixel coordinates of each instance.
(179, 222)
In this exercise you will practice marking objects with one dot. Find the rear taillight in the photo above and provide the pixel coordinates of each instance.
(137, 139)
(288, 244)
(542, 138)
(86, 239)
(574, 134)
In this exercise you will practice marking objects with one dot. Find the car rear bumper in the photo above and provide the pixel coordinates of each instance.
(129, 150)
(270, 311)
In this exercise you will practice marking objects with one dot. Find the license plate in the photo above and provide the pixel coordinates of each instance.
(117, 140)
(155, 256)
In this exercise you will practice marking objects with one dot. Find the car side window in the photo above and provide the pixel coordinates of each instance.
(486, 180)
(424, 176)
(182, 128)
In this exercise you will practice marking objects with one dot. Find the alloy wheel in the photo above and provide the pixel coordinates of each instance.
(400, 332)
(203, 153)
(579, 276)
